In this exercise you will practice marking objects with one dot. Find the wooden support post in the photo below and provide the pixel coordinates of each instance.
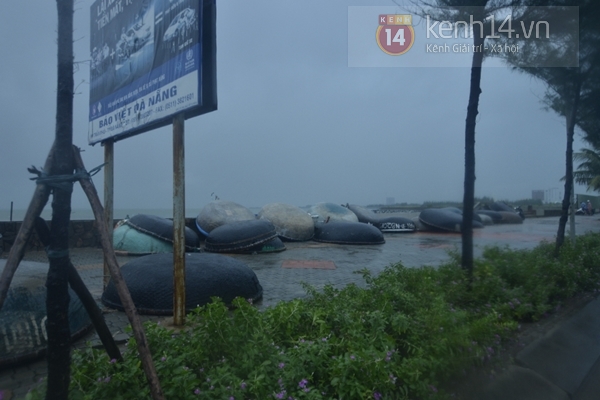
(109, 173)
(178, 221)
(122, 289)
(37, 204)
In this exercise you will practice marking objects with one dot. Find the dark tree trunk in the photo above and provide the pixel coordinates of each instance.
(84, 295)
(571, 121)
(57, 301)
(469, 188)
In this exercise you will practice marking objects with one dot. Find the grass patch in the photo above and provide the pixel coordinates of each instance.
(409, 331)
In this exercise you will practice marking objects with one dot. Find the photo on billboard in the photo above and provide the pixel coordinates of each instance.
(150, 60)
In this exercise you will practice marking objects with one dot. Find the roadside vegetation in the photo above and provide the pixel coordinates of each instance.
(408, 333)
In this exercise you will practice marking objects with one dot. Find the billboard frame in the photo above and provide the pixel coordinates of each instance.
(207, 82)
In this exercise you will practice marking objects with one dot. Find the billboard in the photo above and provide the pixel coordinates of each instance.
(150, 60)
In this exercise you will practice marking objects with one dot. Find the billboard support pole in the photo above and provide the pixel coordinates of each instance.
(109, 174)
(178, 221)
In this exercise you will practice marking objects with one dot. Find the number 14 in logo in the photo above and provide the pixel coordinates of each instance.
(395, 40)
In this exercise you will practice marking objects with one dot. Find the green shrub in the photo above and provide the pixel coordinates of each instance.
(409, 331)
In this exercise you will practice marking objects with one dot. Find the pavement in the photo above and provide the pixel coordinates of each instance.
(561, 363)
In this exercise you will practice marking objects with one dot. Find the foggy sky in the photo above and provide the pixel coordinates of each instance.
(294, 123)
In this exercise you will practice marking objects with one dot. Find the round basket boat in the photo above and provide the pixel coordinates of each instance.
(501, 206)
(240, 237)
(510, 217)
(333, 212)
(150, 282)
(444, 220)
(129, 240)
(385, 223)
(23, 315)
(341, 232)
(162, 228)
(363, 214)
(392, 224)
(291, 223)
(494, 215)
(221, 212)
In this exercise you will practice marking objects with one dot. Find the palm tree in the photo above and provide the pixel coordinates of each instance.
(588, 171)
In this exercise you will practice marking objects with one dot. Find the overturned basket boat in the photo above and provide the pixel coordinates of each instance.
(23, 315)
(150, 282)
(244, 237)
(342, 232)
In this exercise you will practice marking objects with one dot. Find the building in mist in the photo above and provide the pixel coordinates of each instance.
(537, 195)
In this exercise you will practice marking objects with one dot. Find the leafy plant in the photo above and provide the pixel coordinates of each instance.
(408, 332)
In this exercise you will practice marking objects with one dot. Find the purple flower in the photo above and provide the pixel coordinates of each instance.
(433, 388)
(114, 360)
(163, 359)
(243, 385)
(280, 395)
(231, 398)
(352, 357)
(281, 365)
(197, 391)
(107, 379)
(303, 383)
(377, 396)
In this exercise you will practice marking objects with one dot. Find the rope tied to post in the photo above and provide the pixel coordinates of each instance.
(62, 182)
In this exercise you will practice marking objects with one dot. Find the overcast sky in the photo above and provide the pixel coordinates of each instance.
(294, 124)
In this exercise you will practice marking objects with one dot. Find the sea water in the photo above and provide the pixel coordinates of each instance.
(87, 214)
